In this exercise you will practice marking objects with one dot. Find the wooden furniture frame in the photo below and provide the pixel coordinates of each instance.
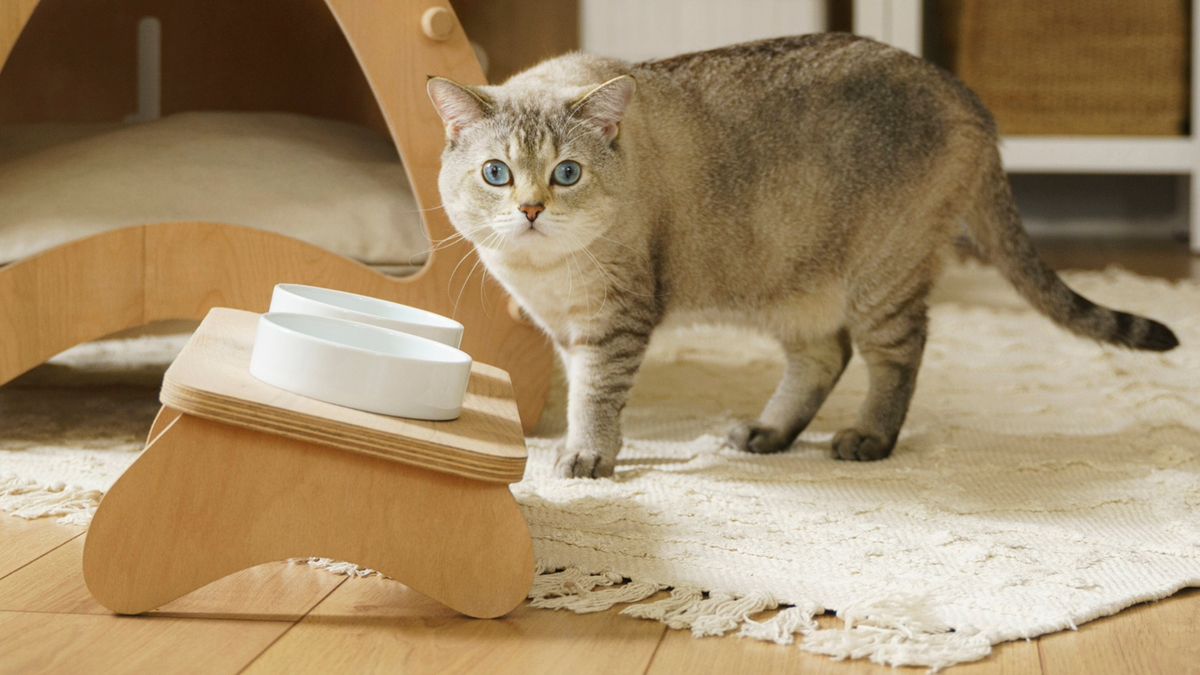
(93, 287)
(237, 473)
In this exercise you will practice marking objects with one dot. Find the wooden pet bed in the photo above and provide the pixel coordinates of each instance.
(77, 62)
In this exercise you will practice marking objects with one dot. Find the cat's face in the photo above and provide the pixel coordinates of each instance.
(528, 173)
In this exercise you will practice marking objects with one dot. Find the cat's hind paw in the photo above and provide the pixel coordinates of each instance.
(857, 446)
(584, 464)
(759, 439)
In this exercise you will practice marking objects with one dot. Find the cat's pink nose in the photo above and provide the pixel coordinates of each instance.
(531, 211)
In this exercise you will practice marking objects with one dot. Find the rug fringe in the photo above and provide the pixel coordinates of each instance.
(895, 630)
(685, 608)
(719, 613)
(336, 567)
(572, 589)
(28, 499)
(681, 598)
(782, 628)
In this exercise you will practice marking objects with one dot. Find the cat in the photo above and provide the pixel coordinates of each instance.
(808, 187)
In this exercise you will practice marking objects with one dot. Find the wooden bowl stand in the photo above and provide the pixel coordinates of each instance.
(237, 473)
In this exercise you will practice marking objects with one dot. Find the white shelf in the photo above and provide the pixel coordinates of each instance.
(898, 22)
(1098, 154)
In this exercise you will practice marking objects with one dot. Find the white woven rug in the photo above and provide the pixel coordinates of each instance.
(1041, 482)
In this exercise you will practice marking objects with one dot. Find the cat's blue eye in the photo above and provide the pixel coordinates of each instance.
(567, 173)
(496, 173)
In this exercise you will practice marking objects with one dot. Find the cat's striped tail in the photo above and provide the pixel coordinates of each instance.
(995, 226)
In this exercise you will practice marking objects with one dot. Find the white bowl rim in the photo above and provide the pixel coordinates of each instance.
(328, 296)
(445, 354)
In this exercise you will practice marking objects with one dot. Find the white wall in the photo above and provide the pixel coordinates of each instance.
(647, 29)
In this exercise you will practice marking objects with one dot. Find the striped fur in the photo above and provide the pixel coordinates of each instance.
(995, 225)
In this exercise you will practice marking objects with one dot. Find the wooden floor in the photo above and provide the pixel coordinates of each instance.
(288, 618)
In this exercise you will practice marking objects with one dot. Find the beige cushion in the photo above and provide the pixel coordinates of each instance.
(336, 185)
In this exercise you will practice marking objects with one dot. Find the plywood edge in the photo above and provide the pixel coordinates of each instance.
(458, 463)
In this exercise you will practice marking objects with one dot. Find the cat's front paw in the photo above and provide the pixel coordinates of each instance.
(858, 446)
(758, 439)
(584, 464)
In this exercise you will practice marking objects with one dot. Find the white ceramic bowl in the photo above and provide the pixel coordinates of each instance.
(300, 299)
(360, 366)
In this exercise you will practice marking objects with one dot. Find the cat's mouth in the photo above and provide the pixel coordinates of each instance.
(527, 230)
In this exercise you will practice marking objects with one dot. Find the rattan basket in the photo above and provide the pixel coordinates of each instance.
(1074, 66)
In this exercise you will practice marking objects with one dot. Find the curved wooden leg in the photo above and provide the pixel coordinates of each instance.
(69, 295)
(206, 500)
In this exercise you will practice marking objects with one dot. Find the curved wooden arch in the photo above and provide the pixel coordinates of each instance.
(462, 542)
(125, 278)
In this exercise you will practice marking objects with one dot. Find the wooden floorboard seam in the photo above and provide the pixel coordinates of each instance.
(653, 655)
(43, 554)
(295, 623)
(186, 616)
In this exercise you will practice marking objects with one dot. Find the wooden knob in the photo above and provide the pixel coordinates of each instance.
(437, 23)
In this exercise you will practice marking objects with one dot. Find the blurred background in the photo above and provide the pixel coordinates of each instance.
(1093, 96)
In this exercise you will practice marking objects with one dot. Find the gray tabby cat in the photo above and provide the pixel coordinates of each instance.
(805, 186)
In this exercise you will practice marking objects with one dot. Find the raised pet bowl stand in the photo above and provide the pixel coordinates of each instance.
(237, 473)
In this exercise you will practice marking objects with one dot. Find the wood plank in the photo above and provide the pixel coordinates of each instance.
(1158, 637)
(377, 624)
(278, 591)
(232, 415)
(27, 540)
(681, 653)
(78, 643)
(205, 500)
(211, 379)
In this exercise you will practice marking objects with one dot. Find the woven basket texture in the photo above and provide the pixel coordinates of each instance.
(1074, 66)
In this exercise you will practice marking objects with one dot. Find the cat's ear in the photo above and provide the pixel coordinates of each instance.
(605, 105)
(458, 105)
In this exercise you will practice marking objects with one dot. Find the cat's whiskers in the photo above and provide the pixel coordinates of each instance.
(467, 281)
(604, 300)
(461, 260)
(570, 278)
(570, 138)
(455, 238)
(424, 210)
(562, 129)
(611, 279)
